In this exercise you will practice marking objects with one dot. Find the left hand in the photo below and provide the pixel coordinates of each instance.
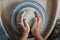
(23, 27)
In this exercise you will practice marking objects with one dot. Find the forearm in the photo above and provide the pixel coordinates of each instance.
(39, 37)
(23, 37)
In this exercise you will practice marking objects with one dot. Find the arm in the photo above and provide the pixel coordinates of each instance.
(36, 27)
(23, 27)
(39, 37)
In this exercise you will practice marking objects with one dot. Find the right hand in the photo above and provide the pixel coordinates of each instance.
(37, 26)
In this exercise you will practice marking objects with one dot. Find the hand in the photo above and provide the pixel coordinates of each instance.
(23, 27)
(37, 26)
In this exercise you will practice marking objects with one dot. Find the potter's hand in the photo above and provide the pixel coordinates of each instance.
(23, 27)
(37, 26)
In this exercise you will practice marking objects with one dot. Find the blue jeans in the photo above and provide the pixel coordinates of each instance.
(2, 34)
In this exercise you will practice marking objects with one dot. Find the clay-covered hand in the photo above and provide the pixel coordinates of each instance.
(23, 27)
(37, 26)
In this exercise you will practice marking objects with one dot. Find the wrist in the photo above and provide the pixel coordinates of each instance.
(39, 37)
(24, 35)
(36, 34)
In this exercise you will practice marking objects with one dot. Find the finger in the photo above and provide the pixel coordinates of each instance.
(21, 16)
(40, 21)
(37, 15)
(35, 22)
(39, 25)
(26, 25)
(20, 26)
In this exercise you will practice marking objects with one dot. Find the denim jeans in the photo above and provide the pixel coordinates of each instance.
(2, 34)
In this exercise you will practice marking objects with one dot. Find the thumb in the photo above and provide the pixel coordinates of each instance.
(26, 25)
